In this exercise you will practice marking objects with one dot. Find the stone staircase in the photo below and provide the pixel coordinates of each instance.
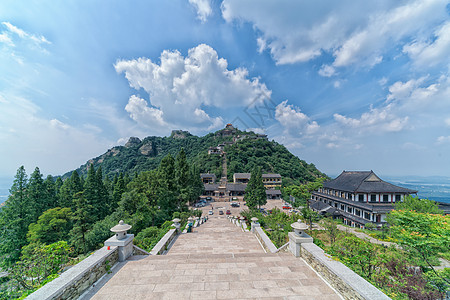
(217, 261)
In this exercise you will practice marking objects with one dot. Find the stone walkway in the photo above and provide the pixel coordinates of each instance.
(216, 261)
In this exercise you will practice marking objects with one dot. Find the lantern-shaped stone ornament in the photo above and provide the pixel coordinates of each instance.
(121, 230)
(122, 240)
(254, 224)
(298, 237)
(177, 224)
(299, 227)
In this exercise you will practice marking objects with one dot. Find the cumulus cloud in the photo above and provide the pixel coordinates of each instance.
(294, 121)
(353, 32)
(181, 89)
(203, 8)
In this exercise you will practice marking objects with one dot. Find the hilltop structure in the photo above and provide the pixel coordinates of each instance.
(272, 183)
(360, 197)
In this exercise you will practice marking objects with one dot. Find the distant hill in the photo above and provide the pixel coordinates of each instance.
(244, 150)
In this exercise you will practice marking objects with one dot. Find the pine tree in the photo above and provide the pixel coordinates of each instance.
(119, 189)
(104, 206)
(255, 193)
(14, 219)
(50, 192)
(36, 194)
(82, 220)
(182, 179)
(167, 187)
(69, 188)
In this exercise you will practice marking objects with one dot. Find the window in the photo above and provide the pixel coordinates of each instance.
(342, 206)
(361, 198)
(335, 205)
(366, 215)
(385, 198)
(373, 198)
(398, 198)
(349, 209)
(357, 212)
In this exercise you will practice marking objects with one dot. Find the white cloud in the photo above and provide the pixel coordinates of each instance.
(376, 120)
(327, 71)
(203, 8)
(356, 33)
(4, 38)
(443, 140)
(447, 121)
(294, 121)
(434, 52)
(181, 89)
(401, 90)
(25, 35)
(29, 137)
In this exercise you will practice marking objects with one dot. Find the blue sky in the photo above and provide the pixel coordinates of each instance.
(346, 85)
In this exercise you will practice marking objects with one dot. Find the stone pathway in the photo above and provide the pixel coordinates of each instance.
(364, 236)
(217, 261)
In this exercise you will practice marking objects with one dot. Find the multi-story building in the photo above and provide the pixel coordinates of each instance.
(360, 197)
(241, 177)
(208, 178)
(271, 181)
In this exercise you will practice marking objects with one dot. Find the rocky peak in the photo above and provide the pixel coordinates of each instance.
(179, 134)
(133, 142)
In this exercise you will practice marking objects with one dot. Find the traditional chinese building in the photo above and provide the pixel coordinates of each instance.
(208, 178)
(360, 197)
(271, 181)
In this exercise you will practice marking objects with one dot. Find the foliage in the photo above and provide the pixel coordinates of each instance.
(38, 264)
(149, 237)
(255, 192)
(302, 193)
(418, 205)
(52, 226)
(421, 233)
(331, 229)
(310, 216)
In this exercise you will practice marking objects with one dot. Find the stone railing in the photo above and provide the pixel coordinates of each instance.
(349, 284)
(73, 282)
(264, 239)
(164, 242)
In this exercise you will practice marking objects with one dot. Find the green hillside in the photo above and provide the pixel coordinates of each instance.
(144, 155)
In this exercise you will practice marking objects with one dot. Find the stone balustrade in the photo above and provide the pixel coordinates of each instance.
(164, 242)
(75, 281)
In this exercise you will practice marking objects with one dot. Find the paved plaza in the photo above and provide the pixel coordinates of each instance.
(216, 261)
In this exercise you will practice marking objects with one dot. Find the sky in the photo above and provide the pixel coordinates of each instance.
(346, 85)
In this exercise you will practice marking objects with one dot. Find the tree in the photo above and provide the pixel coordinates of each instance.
(255, 192)
(302, 193)
(36, 194)
(52, 226)
(182, 179)
(418, 205)
(69, 188)
(82, 220)
(119, 189)
(50, 191)
(95, 194)
(331, 228)
(310, 216)
(14, 219)
(424, 234)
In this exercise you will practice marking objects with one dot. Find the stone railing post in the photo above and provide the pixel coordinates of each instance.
(254, 224)
(242, 221)
(177, 224)
(298, 237)
(122, 240)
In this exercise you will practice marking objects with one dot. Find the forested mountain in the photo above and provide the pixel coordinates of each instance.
(242, 155)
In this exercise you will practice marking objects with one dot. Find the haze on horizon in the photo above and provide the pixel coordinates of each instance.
(345, 85)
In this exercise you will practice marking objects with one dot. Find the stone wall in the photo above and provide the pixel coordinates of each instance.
(73, 282)
(349, 284)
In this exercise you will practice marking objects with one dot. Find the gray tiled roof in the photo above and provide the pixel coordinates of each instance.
(363, 182)
(273, 192)
(271, 176)
(242, 175)
(211, 186)
(207, 175)
(238, 187)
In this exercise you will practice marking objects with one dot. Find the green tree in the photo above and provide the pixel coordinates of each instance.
(119, 189)
(14, 219)
(69, 188)
(50, 192)
(302, 193)
(421, 233)
(96, 194)
(82, 223)
(36, 194)
(255, 192)
(310, 216)
(331, 229)
(418, 205)
(52, 226)
(182, 180)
